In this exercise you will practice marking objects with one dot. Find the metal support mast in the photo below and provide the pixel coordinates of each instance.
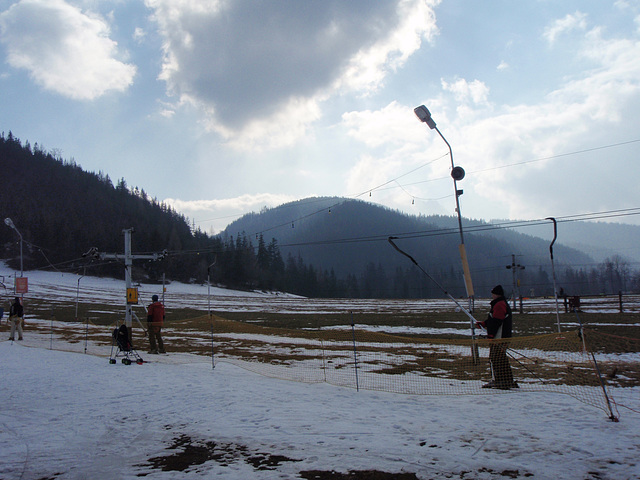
(128, 258)
(457, 173)
(515, 267)
(553, 268)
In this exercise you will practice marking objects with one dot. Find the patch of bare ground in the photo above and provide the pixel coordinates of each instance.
(356, 475)
(189, 453)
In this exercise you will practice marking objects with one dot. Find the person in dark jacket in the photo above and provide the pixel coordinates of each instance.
(499, 325)
(16, 317)
(155, 322)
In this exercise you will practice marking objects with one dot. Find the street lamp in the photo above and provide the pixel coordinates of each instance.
(457, 173)
(9, 223)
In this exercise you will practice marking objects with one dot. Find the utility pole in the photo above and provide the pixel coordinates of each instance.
(457, 173)
(516, 281)
(128, 257)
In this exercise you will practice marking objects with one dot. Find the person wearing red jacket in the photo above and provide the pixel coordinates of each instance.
(155, 322)
(499, 325)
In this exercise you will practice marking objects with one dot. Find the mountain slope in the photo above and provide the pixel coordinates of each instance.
(62, 211)
(351, 237)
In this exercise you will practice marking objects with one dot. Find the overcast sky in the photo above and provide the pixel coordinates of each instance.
(223, 107)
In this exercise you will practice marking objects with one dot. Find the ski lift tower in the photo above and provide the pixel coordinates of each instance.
(128, 257)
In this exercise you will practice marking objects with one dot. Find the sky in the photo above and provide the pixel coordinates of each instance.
(220, 108)
(70, 414)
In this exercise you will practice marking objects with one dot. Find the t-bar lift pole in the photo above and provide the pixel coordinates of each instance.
(128, 258)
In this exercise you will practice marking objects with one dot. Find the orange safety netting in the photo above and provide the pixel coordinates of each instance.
(585, 366)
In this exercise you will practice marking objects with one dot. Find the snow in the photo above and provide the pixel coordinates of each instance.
(70, 415)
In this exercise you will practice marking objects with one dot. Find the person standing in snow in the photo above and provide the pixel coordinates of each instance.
(499, 325)
(16, 317)
(155, 322)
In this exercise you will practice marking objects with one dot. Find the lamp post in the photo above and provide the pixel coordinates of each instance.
(9, 223)
(457, 173)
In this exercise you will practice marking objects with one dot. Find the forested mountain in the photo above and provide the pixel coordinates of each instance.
(348, 240)
(328, 247)
(62, 211)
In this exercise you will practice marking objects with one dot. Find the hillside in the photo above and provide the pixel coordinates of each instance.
(350, 237)
(62, 211)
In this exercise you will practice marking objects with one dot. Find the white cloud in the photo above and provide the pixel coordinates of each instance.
(139, 34)
(368, 67)
(467, 92)
(63, 49)
(246, 202)
(281, 129)
(403, 160)
(387, 126)
(577, 21)
(260, 71)
(592, 108)
(217, 213)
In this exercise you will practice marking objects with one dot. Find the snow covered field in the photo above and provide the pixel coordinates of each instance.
(69, 415)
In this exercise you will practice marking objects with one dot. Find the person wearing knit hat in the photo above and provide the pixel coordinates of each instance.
(499, 325)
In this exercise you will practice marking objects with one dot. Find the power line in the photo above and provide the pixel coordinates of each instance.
(453, 230)
(525, 162)
(472, 228)
(387, 185)
(577, 152)
(416, 234)
(369, 190)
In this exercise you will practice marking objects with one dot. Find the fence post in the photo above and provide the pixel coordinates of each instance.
(620, 300)
(355, 354)
(86, 332)
(213, 363)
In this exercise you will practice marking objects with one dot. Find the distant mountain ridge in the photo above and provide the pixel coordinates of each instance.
(350, 236)
(597, 239)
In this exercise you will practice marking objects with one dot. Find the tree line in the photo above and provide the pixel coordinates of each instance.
(240, 264)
